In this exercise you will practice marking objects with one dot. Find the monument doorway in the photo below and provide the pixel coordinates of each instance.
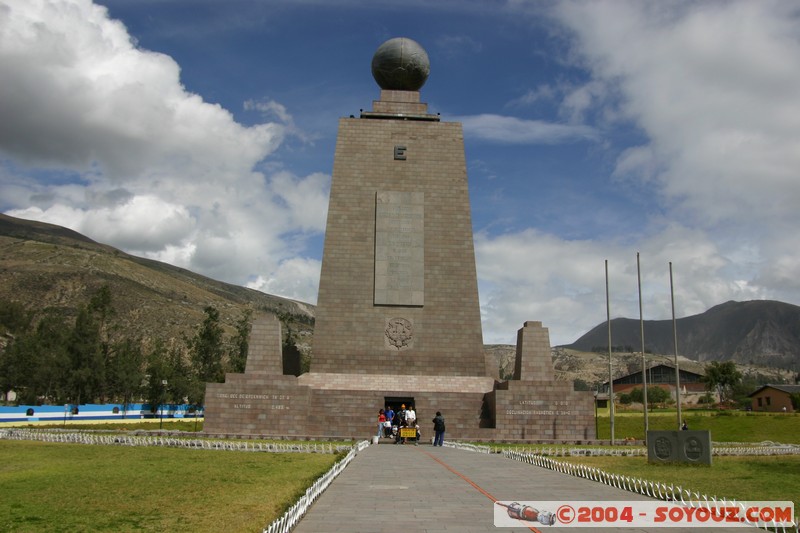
(396, 401)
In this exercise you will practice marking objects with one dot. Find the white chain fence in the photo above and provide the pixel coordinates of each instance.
(718, 449)
(290, 518)
(469, 447)
(85, 437)
(651, 489)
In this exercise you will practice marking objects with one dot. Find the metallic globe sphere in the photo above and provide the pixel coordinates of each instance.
(400, 64)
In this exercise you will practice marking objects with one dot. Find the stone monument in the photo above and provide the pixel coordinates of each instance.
(398, 317)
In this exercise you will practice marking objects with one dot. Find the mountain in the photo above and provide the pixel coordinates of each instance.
(48, 267)
(762, 332)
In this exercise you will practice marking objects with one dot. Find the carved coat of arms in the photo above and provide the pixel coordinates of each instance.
(663, 448)
(399, 332)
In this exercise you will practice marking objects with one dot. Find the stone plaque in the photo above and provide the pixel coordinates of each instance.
(399, 248)
(679, 447)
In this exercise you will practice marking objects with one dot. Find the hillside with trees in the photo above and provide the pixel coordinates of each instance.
(90, 359)
(81, 321)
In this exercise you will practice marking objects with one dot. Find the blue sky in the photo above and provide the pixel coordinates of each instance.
(202, 133)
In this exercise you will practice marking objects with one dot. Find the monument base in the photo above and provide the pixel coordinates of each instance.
(262, 403)
(318, 405)
(344, 405)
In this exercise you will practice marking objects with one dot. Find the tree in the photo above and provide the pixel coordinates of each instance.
(205, 351)
(723, 377)
(180, 380)
(636, 395)
(657, 395)
(240, 343)
(101, 310)
(100, 307)
(795, 399)
(14, 318)
(87, 365)
(89, 350)
(580, 385)
(706, 398)
(51, 377)
(18, 368)
(125, 371)
(654, 395)
(35, 364)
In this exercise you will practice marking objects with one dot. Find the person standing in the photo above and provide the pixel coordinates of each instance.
(411, 420)
(390, 419)
(438, 429)
(381, 420)
(398, 423)
(411, 416)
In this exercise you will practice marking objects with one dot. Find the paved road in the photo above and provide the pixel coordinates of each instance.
(389, 488)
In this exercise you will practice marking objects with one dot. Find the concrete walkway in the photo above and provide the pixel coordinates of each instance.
(389, 488)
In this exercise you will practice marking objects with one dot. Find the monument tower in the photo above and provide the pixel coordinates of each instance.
(398, 291)
(398, 316)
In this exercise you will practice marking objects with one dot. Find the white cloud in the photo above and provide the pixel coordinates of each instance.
(78, 92)
(144, 224)
(294, 278)
(531, 275)
(579, 100)
(714, 85)
(452, 46)
(137, 161)
(542, 92)
(270, 108)
(504, 129)
(306, 199)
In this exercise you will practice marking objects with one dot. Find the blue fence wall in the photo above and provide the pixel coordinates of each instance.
(91, 411)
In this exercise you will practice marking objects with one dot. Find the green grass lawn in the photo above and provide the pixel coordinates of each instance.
(725, 426)
(741, 478)
(66, 487)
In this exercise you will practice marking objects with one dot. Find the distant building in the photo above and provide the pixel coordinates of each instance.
(660, 375)
(775, 398)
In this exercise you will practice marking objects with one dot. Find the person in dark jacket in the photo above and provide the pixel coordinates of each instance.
(438, 429)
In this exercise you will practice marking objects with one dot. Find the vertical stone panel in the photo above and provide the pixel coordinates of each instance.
(265, 352)
(399, 248)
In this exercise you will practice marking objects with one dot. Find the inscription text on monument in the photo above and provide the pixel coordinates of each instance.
(399, 248)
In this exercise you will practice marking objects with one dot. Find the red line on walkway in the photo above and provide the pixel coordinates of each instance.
(468, 480)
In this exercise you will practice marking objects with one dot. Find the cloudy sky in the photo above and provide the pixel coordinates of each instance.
(201, 133)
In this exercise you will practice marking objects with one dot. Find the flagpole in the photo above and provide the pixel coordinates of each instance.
(610, 373)
(644, 362)
(675, 343)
